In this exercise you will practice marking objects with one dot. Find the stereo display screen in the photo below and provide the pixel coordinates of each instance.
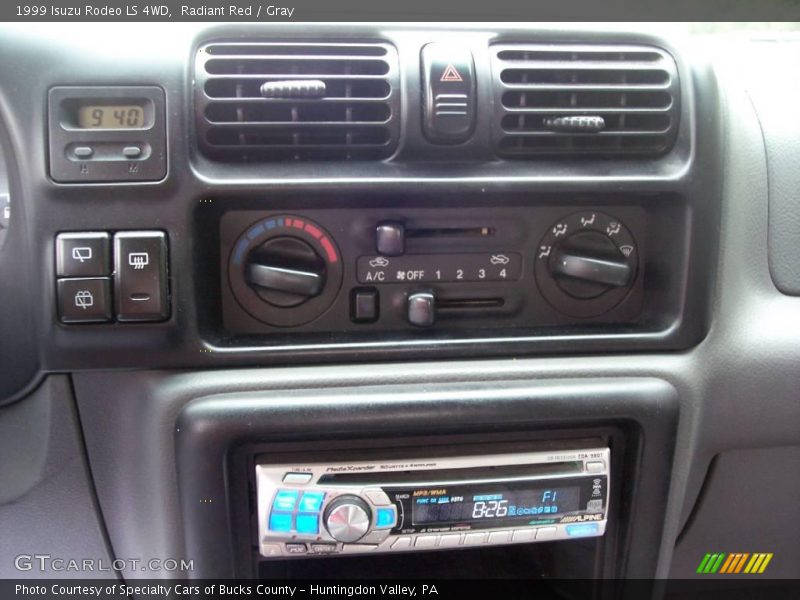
(497, 504)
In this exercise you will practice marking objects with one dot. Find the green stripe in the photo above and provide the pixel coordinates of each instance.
(703, 563)
(711, 562)
(718, 564)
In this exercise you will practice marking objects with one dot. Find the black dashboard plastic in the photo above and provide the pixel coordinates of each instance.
(679, 193)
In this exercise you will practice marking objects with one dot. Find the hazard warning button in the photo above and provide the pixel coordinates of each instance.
(448, 83)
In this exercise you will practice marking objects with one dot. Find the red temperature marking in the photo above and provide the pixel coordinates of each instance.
(316, 233)
(298, 224)
(326, 243)
(287, 222)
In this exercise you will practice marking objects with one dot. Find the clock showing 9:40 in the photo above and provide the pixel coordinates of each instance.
(111, 116)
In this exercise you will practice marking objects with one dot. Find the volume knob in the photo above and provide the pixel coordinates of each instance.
(347, 518)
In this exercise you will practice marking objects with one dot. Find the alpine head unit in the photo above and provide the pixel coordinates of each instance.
(426, 504)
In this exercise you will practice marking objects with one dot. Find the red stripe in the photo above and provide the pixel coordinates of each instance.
(313, 231)
(326, 243)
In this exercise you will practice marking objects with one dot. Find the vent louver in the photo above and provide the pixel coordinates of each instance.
(558, 99)
(259, 102)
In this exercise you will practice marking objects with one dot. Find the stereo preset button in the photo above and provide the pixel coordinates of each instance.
(582, 529)
(401, 542)
(311, 502)
(307, 524)
(474, 539)
(377, 497)
(358, 548)
(270, 549)
(595, 466)
(375, 537)
(285, 500)
(297, 478)
(499, 537)
(426, 541)
(523, 535)
(450, 540)
(386, 517)
(281, 522)
(294, 548)
(545, 533)
(324, 548)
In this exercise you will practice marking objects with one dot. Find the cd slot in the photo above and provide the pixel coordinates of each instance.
(449, 476)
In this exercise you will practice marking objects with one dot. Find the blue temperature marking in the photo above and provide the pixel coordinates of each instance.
(241, 248)
(582, 529)
(280, 521)
(255, 231)
(270, 224)
(280, 222)
(307, 523)
(311, 501)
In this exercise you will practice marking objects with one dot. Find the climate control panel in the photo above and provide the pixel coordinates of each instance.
(411, 270)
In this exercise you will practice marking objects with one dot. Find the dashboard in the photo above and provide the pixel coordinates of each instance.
(237, 259)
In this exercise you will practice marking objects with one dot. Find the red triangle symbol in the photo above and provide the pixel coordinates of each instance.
(450, 74)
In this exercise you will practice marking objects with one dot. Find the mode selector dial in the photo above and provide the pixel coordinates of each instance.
(347, 518)
(586, 263)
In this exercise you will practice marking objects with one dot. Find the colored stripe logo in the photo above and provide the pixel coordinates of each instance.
(733, 563)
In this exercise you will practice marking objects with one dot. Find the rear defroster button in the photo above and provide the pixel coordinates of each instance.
(141, 275)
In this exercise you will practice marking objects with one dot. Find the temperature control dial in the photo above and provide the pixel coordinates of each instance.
(347, 518)
(586, 264)
(285, 271)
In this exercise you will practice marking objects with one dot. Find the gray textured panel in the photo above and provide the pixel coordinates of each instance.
(749, 504)
(52, 510)
(775, 90)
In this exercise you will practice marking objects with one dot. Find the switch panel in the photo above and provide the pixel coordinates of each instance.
(140, 277)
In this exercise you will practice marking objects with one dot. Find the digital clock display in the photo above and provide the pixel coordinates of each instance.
(477, 506)
(112, 116)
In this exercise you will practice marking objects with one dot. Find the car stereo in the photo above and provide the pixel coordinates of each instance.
(427, 504)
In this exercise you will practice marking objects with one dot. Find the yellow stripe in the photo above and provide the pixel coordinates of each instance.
(765, 563)
(754, 568)
(741, 562)
(752, 563)
(724, 568)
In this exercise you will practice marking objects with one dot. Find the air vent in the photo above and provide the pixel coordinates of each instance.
(261, 102)
(557, 99)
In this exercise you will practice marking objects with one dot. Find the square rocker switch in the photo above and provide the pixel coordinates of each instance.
(140, 277)
(448, 87)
